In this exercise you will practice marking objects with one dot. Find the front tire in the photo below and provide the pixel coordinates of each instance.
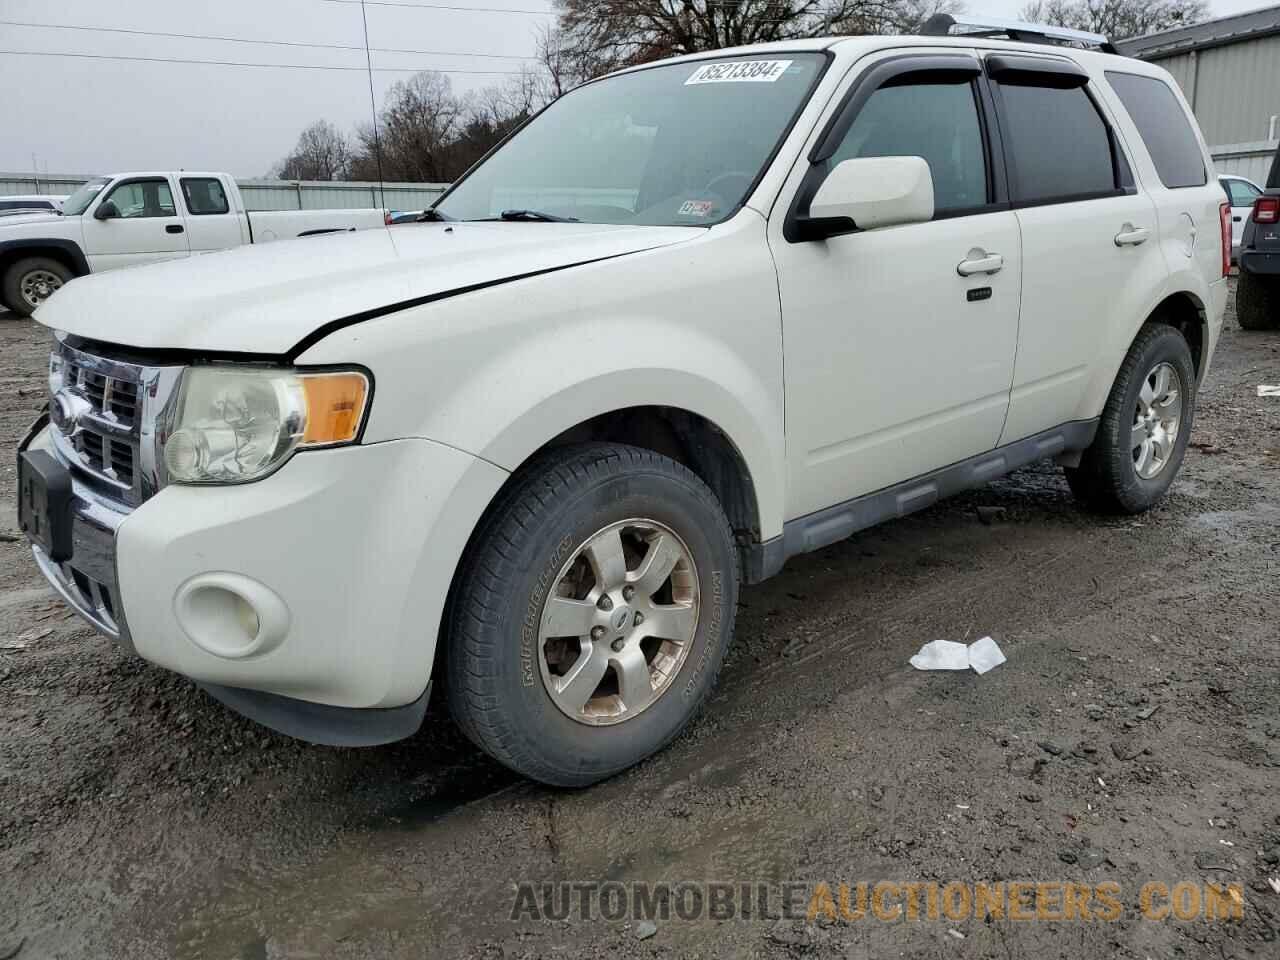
(1145, 425)
(30, 282)
(1257, 302)
(591, 614)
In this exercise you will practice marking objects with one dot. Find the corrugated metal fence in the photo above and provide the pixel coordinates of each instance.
(1250, 160)
(268, 194)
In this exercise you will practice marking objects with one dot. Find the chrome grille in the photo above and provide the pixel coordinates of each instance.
(107, 395)
(105, 415)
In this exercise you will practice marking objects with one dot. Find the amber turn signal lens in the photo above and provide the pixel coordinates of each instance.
(335, 406)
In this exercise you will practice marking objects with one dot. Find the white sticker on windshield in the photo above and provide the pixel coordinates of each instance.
(740, 71)
(695, 208)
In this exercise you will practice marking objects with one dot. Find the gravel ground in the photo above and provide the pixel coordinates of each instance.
(1133, 736)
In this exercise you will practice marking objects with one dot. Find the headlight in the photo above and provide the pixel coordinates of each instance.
(232, 425)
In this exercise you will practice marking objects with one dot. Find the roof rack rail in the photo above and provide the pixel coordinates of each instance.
(940, 24)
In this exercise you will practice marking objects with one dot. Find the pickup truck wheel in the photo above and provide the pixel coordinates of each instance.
(591, 615)
(1257, 303)
(1143, 433)
(30, 282)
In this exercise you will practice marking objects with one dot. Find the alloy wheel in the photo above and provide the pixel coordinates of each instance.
(1156, 421)
(619, 622)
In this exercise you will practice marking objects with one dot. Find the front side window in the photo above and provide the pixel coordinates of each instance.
(1058, 144)
(204, 195)
(1241, 193)
(936, 121)
(1164, 128)
(143, 198)
(674, 145)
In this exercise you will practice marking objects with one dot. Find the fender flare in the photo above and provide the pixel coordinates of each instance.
(79, 265)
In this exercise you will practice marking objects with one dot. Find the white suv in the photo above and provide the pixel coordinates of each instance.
(693, 319)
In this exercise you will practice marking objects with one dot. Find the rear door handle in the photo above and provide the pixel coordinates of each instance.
(979, 261)
(1131, 236)
(173, 228)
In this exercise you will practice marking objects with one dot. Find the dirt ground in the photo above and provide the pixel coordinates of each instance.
(1133, 736)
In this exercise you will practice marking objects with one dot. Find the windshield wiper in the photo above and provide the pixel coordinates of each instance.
(432, 214)
(536, 215)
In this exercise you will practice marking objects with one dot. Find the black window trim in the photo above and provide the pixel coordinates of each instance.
(881, 73)
(1143, 76)
(124, 183)
(186, 198)
(1071, 72)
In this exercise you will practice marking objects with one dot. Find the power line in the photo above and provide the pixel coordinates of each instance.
(272, 43)
(241, 63)
(405, 5)
(445, 6)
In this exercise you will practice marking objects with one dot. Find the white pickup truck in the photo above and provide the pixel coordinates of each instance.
(129, 219)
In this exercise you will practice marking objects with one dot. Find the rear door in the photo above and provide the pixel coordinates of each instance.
(212, 224)
(149, 226)
(1089, 251)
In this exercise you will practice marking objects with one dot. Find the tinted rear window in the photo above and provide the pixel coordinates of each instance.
(1059, 143)
(1161, 121)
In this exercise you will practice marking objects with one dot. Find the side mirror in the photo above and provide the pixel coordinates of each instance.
(869, 192)
(107, 210)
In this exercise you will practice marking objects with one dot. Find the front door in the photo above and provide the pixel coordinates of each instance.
(1241, 194)
(148, 226)
(898, 354)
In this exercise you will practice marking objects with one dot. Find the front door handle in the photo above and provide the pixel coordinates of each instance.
(979, 261)
(173, 228)
(1131, 236)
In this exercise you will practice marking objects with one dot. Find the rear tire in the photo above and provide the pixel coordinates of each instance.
(1145, 425)
(543, 674)
(1257, 302)
(29, 282)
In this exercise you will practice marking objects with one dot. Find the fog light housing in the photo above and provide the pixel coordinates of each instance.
(231, 616)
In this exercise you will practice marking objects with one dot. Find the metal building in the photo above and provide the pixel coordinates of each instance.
(1229, 70)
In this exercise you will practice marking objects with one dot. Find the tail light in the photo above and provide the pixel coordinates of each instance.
(1224, 218)
(1266, 210)
(386, 218)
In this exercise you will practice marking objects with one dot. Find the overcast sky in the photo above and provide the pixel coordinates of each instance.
(79, 115)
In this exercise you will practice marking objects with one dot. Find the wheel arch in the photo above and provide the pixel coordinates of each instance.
(1187, 314)
(67, 252)
(1181, 309)
(690, 439)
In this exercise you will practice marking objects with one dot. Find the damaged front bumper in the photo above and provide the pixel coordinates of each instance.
(87, 580)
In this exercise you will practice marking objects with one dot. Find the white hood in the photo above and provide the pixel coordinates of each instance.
(265, 299)
(35, 216)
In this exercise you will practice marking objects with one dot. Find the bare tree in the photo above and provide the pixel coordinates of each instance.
(420, 121)
(321, 153)
(598, 35)
(1117, 19)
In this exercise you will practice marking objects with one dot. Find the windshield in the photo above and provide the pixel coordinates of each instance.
(677, 145)
(79, 201)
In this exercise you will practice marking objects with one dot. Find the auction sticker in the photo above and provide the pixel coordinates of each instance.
(740, 71)
(695, 208)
